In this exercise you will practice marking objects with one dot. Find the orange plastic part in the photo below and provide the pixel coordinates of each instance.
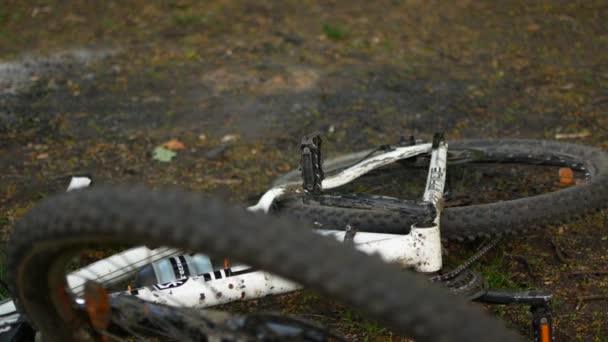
(566, 176)
(97, 304)
(545, 333)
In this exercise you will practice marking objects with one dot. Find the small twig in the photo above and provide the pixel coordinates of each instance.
(558, 252)
(584, 299)
(315, 315)
(583, 273)
(593, 297)
(599, 100)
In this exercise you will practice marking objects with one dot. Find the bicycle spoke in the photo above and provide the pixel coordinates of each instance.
(122, 268)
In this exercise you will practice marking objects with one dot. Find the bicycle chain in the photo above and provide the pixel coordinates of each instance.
(467, 283)
(463, 281)
(482, 251)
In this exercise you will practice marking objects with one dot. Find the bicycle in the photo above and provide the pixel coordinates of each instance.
(405, 301)
(310, 200)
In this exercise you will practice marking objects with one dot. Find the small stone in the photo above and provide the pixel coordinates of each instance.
(229, 138)
(296, 107)
(293, 38)
(217, 152)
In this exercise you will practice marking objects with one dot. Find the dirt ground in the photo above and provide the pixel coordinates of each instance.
(96, 86)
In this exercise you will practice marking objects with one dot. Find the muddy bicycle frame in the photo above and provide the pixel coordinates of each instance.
(421, 248)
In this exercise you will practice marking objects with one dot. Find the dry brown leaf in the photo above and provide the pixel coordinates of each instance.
(174, 145)
(533, 27)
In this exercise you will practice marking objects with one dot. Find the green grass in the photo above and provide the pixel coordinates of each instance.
(189, 19)
(372, 329)
(335, 31)
(3, 16)
(496, 275)
(109, 24)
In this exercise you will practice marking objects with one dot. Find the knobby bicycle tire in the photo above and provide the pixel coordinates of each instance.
(469, 222)
(406, 302)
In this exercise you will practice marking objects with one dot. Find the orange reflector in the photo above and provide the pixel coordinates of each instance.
(545, 333)
(226, 263)
(566, 176)
(97, 304)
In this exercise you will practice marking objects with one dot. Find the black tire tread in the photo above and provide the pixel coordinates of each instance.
(406, 302)
(507, 217)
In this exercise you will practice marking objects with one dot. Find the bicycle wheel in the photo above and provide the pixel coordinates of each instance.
(44, 240)
(499, 215)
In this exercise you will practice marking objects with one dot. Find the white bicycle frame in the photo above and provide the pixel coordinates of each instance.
(420, 249)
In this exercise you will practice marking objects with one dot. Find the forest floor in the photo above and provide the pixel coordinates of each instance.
(96, 87)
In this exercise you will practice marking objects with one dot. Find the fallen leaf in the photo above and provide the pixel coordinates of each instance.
(567, 86)
(566, 176)
(174, 145)
(582, 134)
(533, 27)
(42, 156)
(230, 138)
(163, 155)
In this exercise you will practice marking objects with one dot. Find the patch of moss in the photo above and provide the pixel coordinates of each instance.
(335, 31)
(189, 19)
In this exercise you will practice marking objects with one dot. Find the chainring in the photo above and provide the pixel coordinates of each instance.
(467, 283)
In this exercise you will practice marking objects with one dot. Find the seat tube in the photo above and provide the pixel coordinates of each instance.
(427, 234)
